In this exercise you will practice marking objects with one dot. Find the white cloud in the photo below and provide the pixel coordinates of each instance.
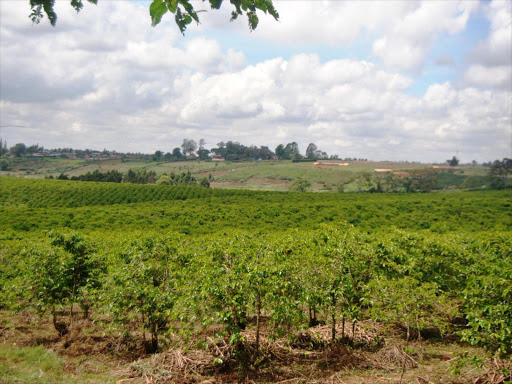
(492, 76)
(407, 43)
(106, 79)
(492, 58)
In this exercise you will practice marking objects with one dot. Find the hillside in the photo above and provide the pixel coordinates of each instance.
(268, 175)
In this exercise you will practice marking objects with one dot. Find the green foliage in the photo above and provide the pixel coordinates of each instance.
(183, 10)
(35, 205)
(416, 305)
(174, 260)
(499, 172)
(143, 282)
(300, 185)
(61, 275)
(488, 298)
(18, 150)
(235, 151)
(453, 162)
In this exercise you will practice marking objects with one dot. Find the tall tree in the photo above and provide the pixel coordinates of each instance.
(280, 151)
(189, 146)
(18, 150)
(499, 172)
(453, 162)
(176, 153)
(311, 150)
(292, 151)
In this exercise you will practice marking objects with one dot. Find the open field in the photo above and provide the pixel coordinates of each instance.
(263, 175)
(127, 283)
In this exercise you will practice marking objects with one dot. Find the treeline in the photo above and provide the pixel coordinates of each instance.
(139, 177)
(189, 150)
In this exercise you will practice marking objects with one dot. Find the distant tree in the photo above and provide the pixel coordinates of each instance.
(364, 182)
(280, 151)
(4, 166)
(204, 182)
(189, 146)
(157, 156)
(473, 182)
(474, 163)
(176, 153)
(62, 176)
(311, 151)
(18, 150)
(34, 149)
(321, 155)
(499, 172)
(300, 185)
(235, 151)
(292, 151)
(164, 180)
(453, 162)
(424, 180)
(202, 142)
(203, 154)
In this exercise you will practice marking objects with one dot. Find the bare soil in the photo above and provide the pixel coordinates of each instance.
(373, 354)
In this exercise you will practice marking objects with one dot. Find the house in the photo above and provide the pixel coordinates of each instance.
(383, 170)
(218, 159)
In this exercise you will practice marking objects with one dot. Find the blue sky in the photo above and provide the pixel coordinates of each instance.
(384, 80)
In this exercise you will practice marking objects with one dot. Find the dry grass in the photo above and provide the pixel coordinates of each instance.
(309, 358)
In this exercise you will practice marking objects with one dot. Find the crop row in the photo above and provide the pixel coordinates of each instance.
(173, 285)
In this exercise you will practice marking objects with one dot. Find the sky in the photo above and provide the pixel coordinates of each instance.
(382, 80)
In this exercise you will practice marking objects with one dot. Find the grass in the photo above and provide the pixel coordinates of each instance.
(268, 175)
(38, 365)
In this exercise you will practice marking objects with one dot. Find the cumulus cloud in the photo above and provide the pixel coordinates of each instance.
(106, 79)
(492, 58)
(407, 43)
(403, 31)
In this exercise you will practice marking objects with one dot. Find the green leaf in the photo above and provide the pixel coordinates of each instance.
(172, 5)
(215, 4)
(157, 9)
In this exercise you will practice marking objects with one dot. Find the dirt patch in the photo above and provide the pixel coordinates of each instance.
(365, 352)
(214, 173)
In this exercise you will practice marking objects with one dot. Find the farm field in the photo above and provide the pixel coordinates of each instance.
(108, 282)
(254, 175)
(255, 192)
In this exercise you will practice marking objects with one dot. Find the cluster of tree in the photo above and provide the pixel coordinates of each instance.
(20, 149)
(113, 176)
(291, 151)
(421, 180)
(139, 177)
(182, 179)
(233, 150)
(191, 150)
(498, 174)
